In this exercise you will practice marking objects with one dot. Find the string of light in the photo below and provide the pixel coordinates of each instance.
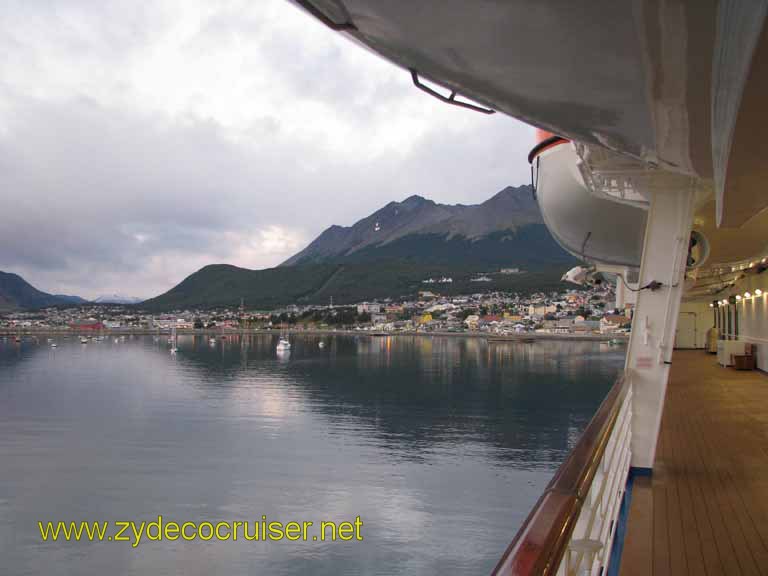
(739, 298)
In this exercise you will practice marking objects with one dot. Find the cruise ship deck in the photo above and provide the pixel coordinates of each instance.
(704, 511)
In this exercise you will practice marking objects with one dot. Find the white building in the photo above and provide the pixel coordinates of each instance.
(369, 308)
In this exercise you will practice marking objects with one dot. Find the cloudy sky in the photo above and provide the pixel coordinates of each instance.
(140, 141)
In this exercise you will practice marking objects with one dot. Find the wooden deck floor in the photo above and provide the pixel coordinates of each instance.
(705, 509)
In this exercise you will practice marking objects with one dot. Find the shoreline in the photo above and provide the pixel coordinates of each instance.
(527, 336)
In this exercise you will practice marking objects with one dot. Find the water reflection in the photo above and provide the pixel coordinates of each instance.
(440, 444)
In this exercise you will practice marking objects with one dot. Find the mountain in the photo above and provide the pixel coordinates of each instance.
(15, 293)
(508, 211)
(391, 253)
(116, 299)
(73, 300)
(222, 285)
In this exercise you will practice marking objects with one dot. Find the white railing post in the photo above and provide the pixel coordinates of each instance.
(585, 495)
(589, 549)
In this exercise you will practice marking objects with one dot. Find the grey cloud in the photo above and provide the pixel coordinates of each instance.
(101, 196)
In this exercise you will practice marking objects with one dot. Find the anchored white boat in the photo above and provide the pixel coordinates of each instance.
(283, 345)
(174, 341)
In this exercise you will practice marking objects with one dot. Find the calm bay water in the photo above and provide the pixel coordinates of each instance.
(440, 445)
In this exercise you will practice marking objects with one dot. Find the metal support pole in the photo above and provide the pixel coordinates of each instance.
(649, 356)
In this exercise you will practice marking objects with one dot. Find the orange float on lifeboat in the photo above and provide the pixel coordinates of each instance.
(544, 141)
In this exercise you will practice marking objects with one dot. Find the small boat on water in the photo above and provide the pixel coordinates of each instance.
(321, 345)
(174, 341)
(18, 339)
(283, 345)
(212, 341)
(83, 340)
(53, 344)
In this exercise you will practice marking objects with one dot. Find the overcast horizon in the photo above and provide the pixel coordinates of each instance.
(139, 143)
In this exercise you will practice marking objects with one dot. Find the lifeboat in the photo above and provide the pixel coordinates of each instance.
(608, 232)
(595, 229)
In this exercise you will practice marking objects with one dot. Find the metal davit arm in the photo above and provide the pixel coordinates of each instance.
(572, 525)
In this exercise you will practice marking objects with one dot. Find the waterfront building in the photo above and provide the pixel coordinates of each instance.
(369, 308)
(612, 323)
(472, 321)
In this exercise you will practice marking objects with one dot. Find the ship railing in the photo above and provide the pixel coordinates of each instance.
(571, 528)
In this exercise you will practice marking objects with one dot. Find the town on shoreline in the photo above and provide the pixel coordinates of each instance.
(238, 333)
(573, 314)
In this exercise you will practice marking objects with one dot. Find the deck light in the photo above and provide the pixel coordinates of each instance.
(711, 305)
(758, 292)
(747, 295)
(738, 297)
